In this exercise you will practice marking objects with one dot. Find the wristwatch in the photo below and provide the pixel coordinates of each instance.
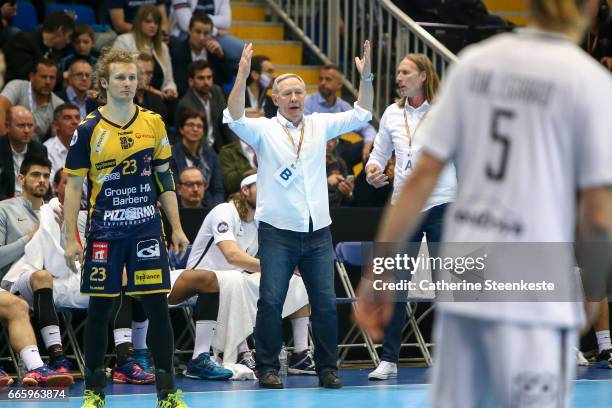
(368, 78)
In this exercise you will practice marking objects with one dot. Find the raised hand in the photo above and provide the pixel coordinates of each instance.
(244, 67)
(363, 63)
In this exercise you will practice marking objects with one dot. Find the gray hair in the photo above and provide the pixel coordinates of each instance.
(281, 78)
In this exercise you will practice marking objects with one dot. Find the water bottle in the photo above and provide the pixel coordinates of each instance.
(282, 358)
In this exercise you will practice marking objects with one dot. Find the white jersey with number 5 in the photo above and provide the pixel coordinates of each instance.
(525, 117)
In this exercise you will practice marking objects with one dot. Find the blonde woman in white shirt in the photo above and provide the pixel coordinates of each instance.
(417, 85)
(146, 37)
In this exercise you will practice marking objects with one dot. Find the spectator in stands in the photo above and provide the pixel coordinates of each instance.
(191, 188)
(146, 96)
(59, 184)
(123, 12)
(2, 69)
(37, 94)
(204, 96)
(82, 47)
(15, 146)
(417, 84)
(26, 49)
(598, 41)
(221, 15)
(146, 37)
(236, 158)
(8, 9)
(199, 45)
(20, 221)
(327, 101)
(192, 151)
(339, 185)
(257, 102)
(80, 79)
(66, 118)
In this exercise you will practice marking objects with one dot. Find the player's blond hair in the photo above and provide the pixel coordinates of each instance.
(103, 68)
(432, 81)
(240, 200)
(568, 16)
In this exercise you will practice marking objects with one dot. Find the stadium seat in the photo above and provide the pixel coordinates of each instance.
(25, 19)
(178, 262)
(82, 14)
(350, 253)
(5, 348)
(70, 337)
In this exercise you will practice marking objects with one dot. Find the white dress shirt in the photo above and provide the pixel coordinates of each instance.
(306, 197)
(57, 152)
(17, 160)
(392, 136)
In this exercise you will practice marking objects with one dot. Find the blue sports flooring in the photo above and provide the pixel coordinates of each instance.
(593, 389)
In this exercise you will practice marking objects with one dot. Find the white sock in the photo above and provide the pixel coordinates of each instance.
(139, 334)
(31, 357)
(300, 334)
(603, 340)
(123, 335)
(205, 331)
(242, 347)
(51, 335)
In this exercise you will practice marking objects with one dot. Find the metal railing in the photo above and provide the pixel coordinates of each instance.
(335, 30)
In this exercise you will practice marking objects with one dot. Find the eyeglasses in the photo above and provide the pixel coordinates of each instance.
(82, 74)
(192, 184)
(193, 125)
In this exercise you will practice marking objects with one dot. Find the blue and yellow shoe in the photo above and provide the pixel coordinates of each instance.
(172, 400)
(131, 373)
(204, 368)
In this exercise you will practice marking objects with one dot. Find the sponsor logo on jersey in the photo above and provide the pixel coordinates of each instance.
(99, 252)
(148, 277)
(106, 164)
(222, 227)
(148, 249)
(144, 136)
(165, 142)
(100, 140)
(75, 137)
(126, 142)
(146, 158)
(486, 219)
(129, 214)
(145, 172)
(127, 132)
(108, 177)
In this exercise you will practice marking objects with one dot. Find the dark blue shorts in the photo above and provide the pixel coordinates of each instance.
(145, 261)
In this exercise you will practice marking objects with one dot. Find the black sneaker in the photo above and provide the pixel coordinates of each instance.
(604, 359)
(302, 363)
(246, 359)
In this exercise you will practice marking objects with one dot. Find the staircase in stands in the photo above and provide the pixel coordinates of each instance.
(268, 38)
(512, 10)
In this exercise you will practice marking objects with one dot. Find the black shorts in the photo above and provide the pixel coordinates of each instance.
(145, 261)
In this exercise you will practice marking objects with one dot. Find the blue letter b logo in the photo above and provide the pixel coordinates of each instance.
(286, 174)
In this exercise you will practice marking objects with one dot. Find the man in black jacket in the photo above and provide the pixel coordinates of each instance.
(203, 96)
(199, 45)
(15, 146)
(25, 49)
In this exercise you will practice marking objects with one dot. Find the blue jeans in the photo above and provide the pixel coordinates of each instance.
(280, 251)
(432, 228)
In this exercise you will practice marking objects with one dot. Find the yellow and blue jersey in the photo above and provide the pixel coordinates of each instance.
(118, 162)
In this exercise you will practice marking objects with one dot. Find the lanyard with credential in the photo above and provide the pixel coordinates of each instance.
(299, 147)
(407, 127)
